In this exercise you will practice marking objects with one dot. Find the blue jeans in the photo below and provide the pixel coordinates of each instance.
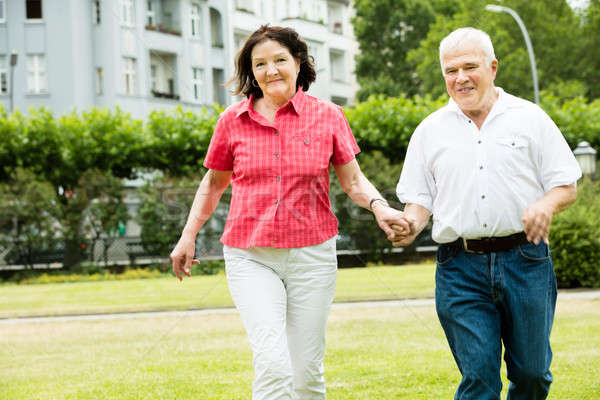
(486, 300)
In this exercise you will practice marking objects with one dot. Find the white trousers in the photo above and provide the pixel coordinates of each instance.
(283, 297)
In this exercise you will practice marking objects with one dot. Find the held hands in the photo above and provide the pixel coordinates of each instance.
(402, 236)
(182, 257)
(391, 221)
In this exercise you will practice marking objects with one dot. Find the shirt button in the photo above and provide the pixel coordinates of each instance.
(481, 167)
(469, 121)
(276, 155)
(276, 201)
(278, 179)
(485, 225)
(276, 133)
(483, 196)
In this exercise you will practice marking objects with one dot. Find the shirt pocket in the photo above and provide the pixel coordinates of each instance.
(309, 150)
(512, 154)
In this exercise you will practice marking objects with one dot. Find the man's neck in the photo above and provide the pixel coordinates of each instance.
(479, 116)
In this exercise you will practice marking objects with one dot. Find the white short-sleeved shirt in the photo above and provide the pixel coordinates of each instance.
(477, 182)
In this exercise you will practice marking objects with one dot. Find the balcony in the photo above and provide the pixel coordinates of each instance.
(162, 16)
(163, 73)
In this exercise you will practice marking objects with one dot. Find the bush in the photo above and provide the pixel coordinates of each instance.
(575, 240)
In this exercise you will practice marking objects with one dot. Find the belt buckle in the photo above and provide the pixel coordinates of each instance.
(466, 247)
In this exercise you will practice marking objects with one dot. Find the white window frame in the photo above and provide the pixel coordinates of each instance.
(2, 11)
(198, 84)
(127, 13)
(37, 80)
(153, 77)
(195, 20)
(96, 16)
(99, 81)
(128, 73)
(150, 14)
(4, 74)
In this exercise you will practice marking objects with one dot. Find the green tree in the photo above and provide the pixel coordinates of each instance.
(105, 211)
(178, 140)
(28, 223)
(589, 61)
(386, 30)
(164, 208)
(552, 25)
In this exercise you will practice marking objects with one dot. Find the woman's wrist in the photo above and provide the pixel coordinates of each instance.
(377, 200)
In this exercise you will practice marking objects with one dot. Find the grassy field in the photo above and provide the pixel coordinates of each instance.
(381, 352)
(196, 292)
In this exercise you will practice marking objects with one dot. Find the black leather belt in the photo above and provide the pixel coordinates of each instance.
(490, 244)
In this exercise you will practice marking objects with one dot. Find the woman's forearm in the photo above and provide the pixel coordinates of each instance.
(207, 198)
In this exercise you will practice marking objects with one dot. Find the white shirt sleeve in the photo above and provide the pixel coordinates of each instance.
(416, 184)
(556, 162)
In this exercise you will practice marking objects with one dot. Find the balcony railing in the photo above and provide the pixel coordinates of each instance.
(164, 29)
(164, 95)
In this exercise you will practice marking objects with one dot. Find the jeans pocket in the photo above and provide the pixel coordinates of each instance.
(446, 253)
(532, 252)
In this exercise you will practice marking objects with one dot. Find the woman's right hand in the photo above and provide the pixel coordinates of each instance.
(182, 256)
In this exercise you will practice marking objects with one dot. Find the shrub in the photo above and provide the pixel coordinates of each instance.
(575, 240)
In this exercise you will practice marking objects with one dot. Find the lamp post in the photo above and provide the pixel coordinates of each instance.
(500, 9)
(586, 157)
(13, 63)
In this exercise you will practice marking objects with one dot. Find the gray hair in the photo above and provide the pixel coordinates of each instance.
(474, 38)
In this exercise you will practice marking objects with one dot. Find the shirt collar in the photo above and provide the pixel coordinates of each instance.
(297, 103)
(504, 102)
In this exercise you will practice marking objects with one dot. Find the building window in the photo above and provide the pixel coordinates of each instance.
(2, 11)
(197, 84)
(218, 89)
(216, 28)
(37, 81)
(153, 77)
(129, 75)
(245, 5)
(195, 16)
(33, 9)
(3, 75)
(150, 15)
(127, 12)
(99, 81)
(96, 12)
(338, 66)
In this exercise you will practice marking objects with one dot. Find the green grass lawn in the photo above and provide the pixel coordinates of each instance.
(168, 293)
(382, 352)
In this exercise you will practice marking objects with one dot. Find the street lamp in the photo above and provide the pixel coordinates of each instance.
(499, 9)
(586, 157)
(13, 63)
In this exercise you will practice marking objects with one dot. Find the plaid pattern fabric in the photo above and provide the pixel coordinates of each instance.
(280, 181)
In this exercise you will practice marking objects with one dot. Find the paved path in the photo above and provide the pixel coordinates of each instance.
(562, 295)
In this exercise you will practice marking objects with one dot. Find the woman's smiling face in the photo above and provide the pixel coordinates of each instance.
(275, 70)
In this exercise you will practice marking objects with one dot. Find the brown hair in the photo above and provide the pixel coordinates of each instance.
(287, 37)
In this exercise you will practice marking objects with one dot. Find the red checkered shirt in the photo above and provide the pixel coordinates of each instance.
(280, 181)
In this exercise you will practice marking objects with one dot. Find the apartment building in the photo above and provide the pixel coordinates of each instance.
(143, 55)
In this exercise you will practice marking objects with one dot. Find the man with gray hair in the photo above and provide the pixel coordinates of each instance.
(492, 169)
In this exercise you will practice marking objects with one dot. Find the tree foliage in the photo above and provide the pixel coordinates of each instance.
(564, 44)
(386, 31)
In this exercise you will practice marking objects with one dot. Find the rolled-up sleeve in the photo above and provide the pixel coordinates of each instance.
(219, 156)
(345, 147)
(416, 184)
(557, 163)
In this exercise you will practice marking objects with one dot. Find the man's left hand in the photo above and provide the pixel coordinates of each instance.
(537, 219)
